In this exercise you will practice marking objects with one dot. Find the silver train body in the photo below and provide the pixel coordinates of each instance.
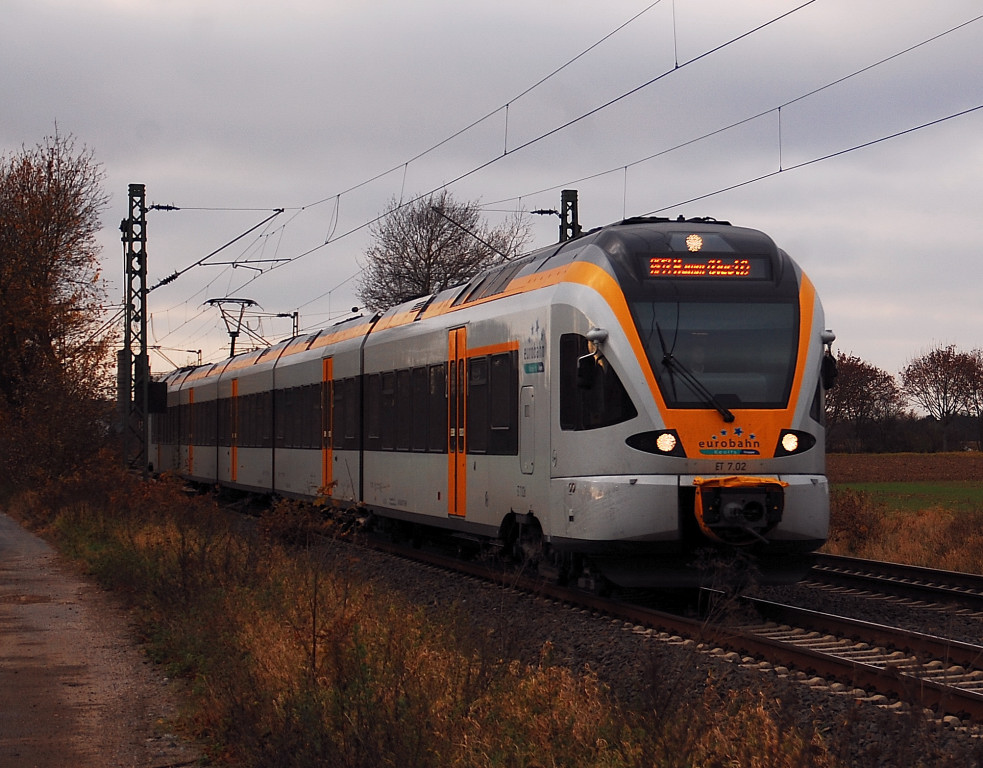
(622, 403)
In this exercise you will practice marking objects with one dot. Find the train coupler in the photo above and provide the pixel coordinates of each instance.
(738, 509)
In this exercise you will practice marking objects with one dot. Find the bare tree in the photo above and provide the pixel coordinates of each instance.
(863, 402)
(940, 383)
(430, 244)
(55, 366)
(975, 402)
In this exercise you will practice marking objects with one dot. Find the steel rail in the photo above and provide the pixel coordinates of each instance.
(945, 674)
(899, 579)
(910, 678)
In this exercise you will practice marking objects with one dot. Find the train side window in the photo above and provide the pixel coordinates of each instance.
(282, 406)
(245, 424)
(198, 411)
(225, 421)
(592, 401)
(210, 425)
(437, 412)
(200, 421)
(318, 424)
(503, 381)
(298, 420)
(316, 434)
(345, 413)
(309, 416)
(373, 410)
(198, 415)
(339, 413)
(192, 423)
(353, 413)
(503, 416)
(294, 432)
(420, 400)
(257, 419)
(294, 405)
(818, 408)
(477, 405)
(213, 423)
(404, 410)
(248, 420)
(265, 411)
(387, 422)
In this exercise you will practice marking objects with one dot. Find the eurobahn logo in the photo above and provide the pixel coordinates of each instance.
(731, 442)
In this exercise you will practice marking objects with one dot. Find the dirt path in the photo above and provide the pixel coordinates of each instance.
(74, 691)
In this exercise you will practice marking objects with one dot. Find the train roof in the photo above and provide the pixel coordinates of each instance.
(533, 270)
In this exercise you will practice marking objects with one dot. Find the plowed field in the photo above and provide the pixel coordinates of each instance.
(904, 467)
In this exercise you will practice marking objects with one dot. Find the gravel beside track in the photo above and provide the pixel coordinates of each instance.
(647, 669)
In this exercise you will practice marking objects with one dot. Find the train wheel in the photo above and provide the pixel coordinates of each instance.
(600, 585)
(523, 540)
(556, 567)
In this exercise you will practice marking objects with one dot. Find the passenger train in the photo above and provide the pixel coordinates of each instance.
(619, 404)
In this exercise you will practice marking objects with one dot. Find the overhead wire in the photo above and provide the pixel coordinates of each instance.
(750, 118)
(813, 161)
(334, 237)
(492, 113)
(333, 223)
(175, 275)
(544, 135)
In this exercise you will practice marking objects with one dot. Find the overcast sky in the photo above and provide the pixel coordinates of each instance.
(329, 109)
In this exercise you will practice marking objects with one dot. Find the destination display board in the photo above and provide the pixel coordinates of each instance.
(708, 266)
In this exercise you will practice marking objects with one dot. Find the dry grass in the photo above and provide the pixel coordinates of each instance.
(293, 661)
(936, 537)
(946, 533)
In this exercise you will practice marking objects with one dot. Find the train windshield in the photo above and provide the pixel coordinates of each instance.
(721, 354)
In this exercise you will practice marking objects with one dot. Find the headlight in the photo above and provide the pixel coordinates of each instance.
(666, 442)
(793, 441)
(662, 442)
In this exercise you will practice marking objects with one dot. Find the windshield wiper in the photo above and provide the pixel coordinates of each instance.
(689, 378)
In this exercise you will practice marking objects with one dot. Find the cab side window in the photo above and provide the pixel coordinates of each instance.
(591, 392)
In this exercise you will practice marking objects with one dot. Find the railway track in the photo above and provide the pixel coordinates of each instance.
(921, 670)
(909, 581)
(938, 673)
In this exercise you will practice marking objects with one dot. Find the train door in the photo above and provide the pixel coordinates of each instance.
(457, 462)
(327, 423)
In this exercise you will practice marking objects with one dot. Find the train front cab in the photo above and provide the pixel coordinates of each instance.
(707, 435)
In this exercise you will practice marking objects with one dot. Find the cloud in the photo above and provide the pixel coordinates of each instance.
(328, 109)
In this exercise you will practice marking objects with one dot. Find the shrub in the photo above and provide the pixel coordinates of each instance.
(854, 522)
